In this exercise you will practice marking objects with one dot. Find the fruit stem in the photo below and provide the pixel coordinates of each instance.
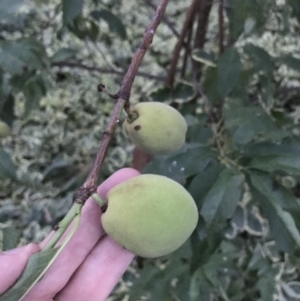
(63, 226)
(98, 200)
(132, 116)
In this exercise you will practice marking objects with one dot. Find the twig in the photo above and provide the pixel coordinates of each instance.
(200, 36)
(187, 51)
(164, 19)
(221, 26)
(189, 19)
(89, 187)
(103, 70)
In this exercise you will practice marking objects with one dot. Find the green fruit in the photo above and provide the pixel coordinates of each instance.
(4, 130)
(150, 215)
(156, 128)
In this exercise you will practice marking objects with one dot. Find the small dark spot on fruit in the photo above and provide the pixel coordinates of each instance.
(137, 127)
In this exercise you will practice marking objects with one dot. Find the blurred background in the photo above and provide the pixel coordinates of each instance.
(231, 67)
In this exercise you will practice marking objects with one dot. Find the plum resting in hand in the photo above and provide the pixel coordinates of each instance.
(150, 215)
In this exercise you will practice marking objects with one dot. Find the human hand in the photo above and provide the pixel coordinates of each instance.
(88, 268)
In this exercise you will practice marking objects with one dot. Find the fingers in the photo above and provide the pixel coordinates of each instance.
(87, 235)
(12, 264)
(98, 274)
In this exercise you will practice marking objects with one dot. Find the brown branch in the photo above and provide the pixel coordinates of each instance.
(89, 187)
(103, 70)
(221, 26)
(164, 19)
(187, 51)
(200, 37)
(189, 20)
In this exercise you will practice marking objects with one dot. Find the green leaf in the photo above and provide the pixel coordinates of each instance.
(209, 85)
(282, 224)
(203, 182)
(250, 123)
(181, 91)
(71, 9)
(260, 58)
(270, 149)
(10, 239)
(36, 265)
(288, 164)
(155, 282)
(114, 23)
(25, 52)
(63, 54)
(7, 167)
(220, 202)
(7, 110)
(186, 162)
(34, 90)
(246, 17)
(229, 69)
(290, 61)
(207, 59)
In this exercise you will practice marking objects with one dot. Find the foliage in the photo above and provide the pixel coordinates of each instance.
(241, 160)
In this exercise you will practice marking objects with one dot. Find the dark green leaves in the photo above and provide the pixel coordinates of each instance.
(114, 23)
(250, 123)
(71, 9)
(7, 167)
(229, 69)
(271, 199)
(221, 200)
(25, 52)
(289, 164)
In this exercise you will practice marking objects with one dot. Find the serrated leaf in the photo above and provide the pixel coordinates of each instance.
(288, 164)
(282, 224)
(229, 69)
(10, 238)
(222, 199)
(71, 9)
(7, 167)
(114, 23)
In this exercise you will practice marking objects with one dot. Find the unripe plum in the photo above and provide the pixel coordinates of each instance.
(4, 129)
(150, 215)
(156, 128)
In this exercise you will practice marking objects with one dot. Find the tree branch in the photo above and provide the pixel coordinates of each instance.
(221, 26)
(103, 70)
(200, 38)
(89, 187)
(164, 19)
(189, 20)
